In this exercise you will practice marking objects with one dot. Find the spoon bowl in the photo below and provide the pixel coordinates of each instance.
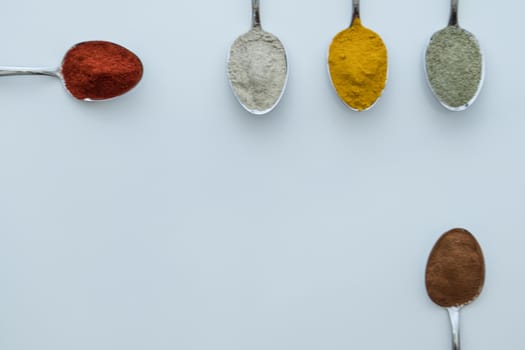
(257, 68)
(358, 64)
(92, 70)
(454, 65)
(455, 274)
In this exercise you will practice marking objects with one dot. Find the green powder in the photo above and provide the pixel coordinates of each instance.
(454, 66)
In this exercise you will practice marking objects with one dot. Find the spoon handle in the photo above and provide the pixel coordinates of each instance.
(256, 15)
(453, 313)
(355, 11)
(8, 71)
(453, 21)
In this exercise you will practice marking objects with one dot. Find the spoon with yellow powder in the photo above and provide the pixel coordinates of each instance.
(358, 64)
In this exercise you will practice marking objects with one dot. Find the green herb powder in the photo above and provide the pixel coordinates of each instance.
(454, 66)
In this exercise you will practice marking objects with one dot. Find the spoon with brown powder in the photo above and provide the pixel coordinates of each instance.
(92, 70)
(455, 274)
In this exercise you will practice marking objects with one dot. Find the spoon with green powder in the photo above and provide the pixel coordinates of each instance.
(454, 64)
(358, 64)
(257, 67)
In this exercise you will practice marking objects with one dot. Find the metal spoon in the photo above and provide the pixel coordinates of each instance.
(454, 64)
(257, 67)
(346, 53)
(455, 274)
(101, 84)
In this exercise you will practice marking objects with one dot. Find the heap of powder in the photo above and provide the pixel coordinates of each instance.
(98, 70)
(455, 269)
(257, 69)
(454, 66)
(357, 61)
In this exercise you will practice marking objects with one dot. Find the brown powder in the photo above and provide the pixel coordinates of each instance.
(455, 269)
(98, 70)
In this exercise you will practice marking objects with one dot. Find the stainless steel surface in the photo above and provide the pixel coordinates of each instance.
(453, 21)
(8, 71)
(355, 13)
(256, 15)
(453, 313)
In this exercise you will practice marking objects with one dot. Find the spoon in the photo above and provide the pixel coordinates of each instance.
(357, 64)
(455, 274)
(454, 65)
(92, 70)
(257, 67)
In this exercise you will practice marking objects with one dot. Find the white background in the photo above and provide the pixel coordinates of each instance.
(171, 219)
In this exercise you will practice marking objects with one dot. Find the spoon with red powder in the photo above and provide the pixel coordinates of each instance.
(92, 70)
(455, 274)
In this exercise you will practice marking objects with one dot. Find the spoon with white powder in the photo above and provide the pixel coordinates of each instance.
(257, 67)
(454, 64)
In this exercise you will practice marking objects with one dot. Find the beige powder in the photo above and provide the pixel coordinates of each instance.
(257, 70)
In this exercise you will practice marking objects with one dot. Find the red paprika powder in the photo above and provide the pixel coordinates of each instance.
(98, 70)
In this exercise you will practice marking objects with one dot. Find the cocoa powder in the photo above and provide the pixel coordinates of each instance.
(455, 270)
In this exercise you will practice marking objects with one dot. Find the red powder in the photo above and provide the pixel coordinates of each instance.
(98, 70)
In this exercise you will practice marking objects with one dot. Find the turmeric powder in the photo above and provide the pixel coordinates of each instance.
(357, 61)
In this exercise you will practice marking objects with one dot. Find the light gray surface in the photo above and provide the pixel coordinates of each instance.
(172, 219)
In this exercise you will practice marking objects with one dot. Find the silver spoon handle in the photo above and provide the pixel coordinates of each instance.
(453, 21)
(453, 313)
(355, 11)
(8, 71)
(256, 15)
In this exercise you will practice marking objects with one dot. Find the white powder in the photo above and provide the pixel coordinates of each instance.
(257, 69)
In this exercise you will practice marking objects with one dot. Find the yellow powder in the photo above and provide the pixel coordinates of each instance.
(357, 60)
